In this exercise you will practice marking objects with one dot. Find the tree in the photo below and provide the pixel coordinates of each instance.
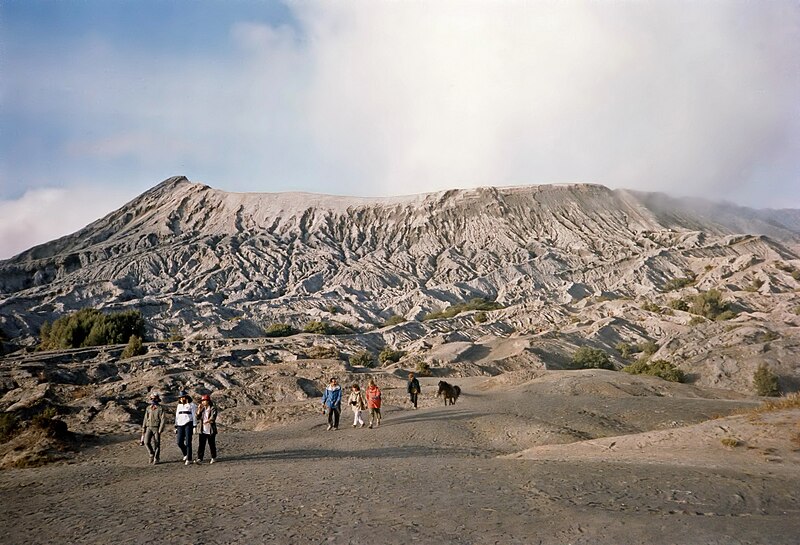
(90, 327)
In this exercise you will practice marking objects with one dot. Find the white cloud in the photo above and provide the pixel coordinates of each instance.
(371, 98)
(45, 214)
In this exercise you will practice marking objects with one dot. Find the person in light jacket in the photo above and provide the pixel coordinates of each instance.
(207, 426)
(332, 403)
(358, 403)
(152, 426)
(185, 422)
(374, 404)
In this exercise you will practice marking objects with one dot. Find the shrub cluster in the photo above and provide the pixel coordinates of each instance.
(90, 327)
(591, 358)
(710, 305)
(678, 283)
(326, 328)
(478, 303)
(394, 320)
(422, 368)
(363, 358)
(679, 304)
(323, 353)
(651, 307)
(658, 368)
(8, 426)
(134, 347)
(280, 330)
(389, 355)
(765, 382)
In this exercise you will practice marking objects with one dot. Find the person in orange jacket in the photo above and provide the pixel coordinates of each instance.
(374, 403)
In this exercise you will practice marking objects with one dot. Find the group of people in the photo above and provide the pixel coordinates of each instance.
(360, 401)
(189, 417)
(202, 419)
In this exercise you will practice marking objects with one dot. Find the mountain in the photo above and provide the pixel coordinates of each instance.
(569, 265)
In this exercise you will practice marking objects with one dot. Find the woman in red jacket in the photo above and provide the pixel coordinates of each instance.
(374, 403)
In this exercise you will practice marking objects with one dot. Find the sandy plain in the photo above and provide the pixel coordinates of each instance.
(570, 457)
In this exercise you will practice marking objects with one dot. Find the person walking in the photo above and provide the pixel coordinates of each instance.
(413, 389)
(207, 426)
(185, 422)
(152, 427)
(374, 404)
(358, 403)
(332, 403)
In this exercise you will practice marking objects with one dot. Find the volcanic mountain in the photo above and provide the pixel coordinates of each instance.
(563, 264)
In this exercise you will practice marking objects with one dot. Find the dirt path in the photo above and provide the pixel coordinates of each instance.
(426, 476)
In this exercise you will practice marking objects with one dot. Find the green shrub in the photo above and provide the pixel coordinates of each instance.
(326, 328)
(477, 303)
(422, 368)
(755, 285)
(323, 353)
(8, 426)
(389, 355)
(625, 349)
(765, 382)
(796, 275)
(332, 309)
(394, 320)
(133, 348)
(730, 442)
(591, 358)
(90, 327)
(658, 368)
(679, 304)
(697, 320)
(42, 420)
(766, 336)
(797, 310)
(710, 305)
(364, 358)
(481, 317)
(651, 307)
(280, 330)
(648, 347)
(727, 315)
(678, 283)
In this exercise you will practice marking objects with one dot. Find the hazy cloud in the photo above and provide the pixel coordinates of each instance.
(371, 98)
(41, 215)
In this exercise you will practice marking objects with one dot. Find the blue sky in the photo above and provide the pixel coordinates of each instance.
(100, 100)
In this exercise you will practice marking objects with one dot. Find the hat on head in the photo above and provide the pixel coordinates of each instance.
(183, 393)
(205, 397)
(154, 395)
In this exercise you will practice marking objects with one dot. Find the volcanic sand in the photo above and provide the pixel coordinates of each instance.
(587, 457)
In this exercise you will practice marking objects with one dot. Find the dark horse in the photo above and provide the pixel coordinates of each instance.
(449, 391)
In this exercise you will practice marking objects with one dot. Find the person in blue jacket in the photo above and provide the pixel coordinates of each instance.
(332, 403)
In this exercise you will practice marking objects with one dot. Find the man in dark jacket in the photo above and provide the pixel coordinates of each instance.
(413, 388)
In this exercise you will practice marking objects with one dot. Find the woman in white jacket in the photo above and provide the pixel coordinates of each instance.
(358, 403)
(185, 422)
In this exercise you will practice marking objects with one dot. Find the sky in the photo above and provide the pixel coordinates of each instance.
(102, 99)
